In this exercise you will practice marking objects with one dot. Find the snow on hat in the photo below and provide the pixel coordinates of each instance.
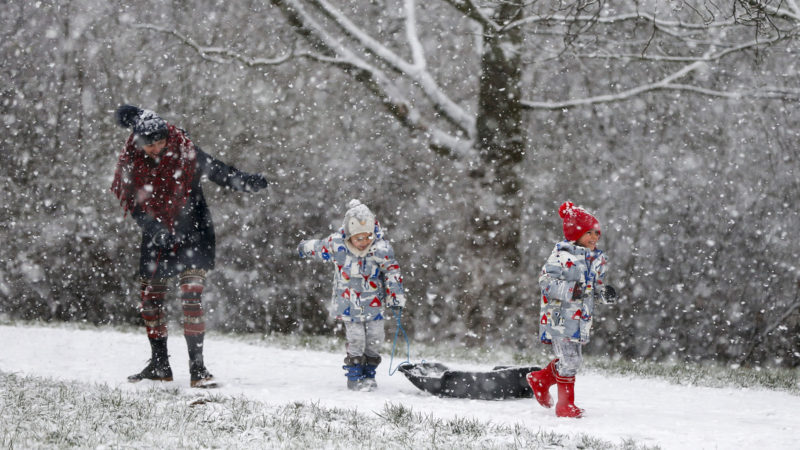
(576, 221)
(146, 125)
(358, 219)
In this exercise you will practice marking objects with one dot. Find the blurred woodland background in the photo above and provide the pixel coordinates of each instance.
(462, 123)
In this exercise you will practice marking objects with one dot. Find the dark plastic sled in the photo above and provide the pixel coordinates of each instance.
(500, 383)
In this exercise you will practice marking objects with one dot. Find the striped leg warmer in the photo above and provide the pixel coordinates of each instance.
(192, 283)
(152, 307)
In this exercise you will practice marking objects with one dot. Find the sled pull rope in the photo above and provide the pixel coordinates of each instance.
(398, 313)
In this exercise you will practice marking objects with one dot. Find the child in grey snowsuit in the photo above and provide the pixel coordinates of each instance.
(366, 279)
(571, 280)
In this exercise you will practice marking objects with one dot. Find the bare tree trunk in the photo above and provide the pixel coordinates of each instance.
(500, 144)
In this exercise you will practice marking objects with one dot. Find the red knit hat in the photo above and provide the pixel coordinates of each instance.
(576, 221)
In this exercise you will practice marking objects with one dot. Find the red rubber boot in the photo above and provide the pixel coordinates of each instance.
(566, 398)
(541, 381)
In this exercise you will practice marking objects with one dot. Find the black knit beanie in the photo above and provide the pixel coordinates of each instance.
(146, 125)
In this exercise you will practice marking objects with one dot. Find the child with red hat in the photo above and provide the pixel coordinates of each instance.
(571, 280)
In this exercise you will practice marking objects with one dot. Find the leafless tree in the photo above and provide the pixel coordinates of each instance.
(652, 46)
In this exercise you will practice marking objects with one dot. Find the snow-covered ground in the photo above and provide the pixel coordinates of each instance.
(618, 408)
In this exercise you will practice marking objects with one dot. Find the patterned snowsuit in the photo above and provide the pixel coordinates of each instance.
(562, 317)
(362, 286)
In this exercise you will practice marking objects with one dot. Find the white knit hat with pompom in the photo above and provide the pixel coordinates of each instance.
(358, 219)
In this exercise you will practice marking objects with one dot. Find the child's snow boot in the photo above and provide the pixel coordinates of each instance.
(566, 398)
(158, 369)
(541, 381)
(199, 376)
(355, 372)
(371, 364)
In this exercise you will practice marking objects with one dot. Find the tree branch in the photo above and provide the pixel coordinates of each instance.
(609, 20)
(355, 32)
(792, 14)
(217, 54)
(667, 83)
(774, 93)
(717, 56)
(376, 80)
(776, 11)
(416, 72)
(417, 52)
(396, 103)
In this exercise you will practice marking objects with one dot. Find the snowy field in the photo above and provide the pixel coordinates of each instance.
(619, 409)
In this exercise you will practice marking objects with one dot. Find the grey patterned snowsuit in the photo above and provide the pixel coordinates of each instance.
(362, 286)
(565, 321)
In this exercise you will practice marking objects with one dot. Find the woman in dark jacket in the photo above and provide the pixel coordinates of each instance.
(157, 180)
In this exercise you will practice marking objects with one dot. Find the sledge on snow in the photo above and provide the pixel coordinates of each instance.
(500, 383)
